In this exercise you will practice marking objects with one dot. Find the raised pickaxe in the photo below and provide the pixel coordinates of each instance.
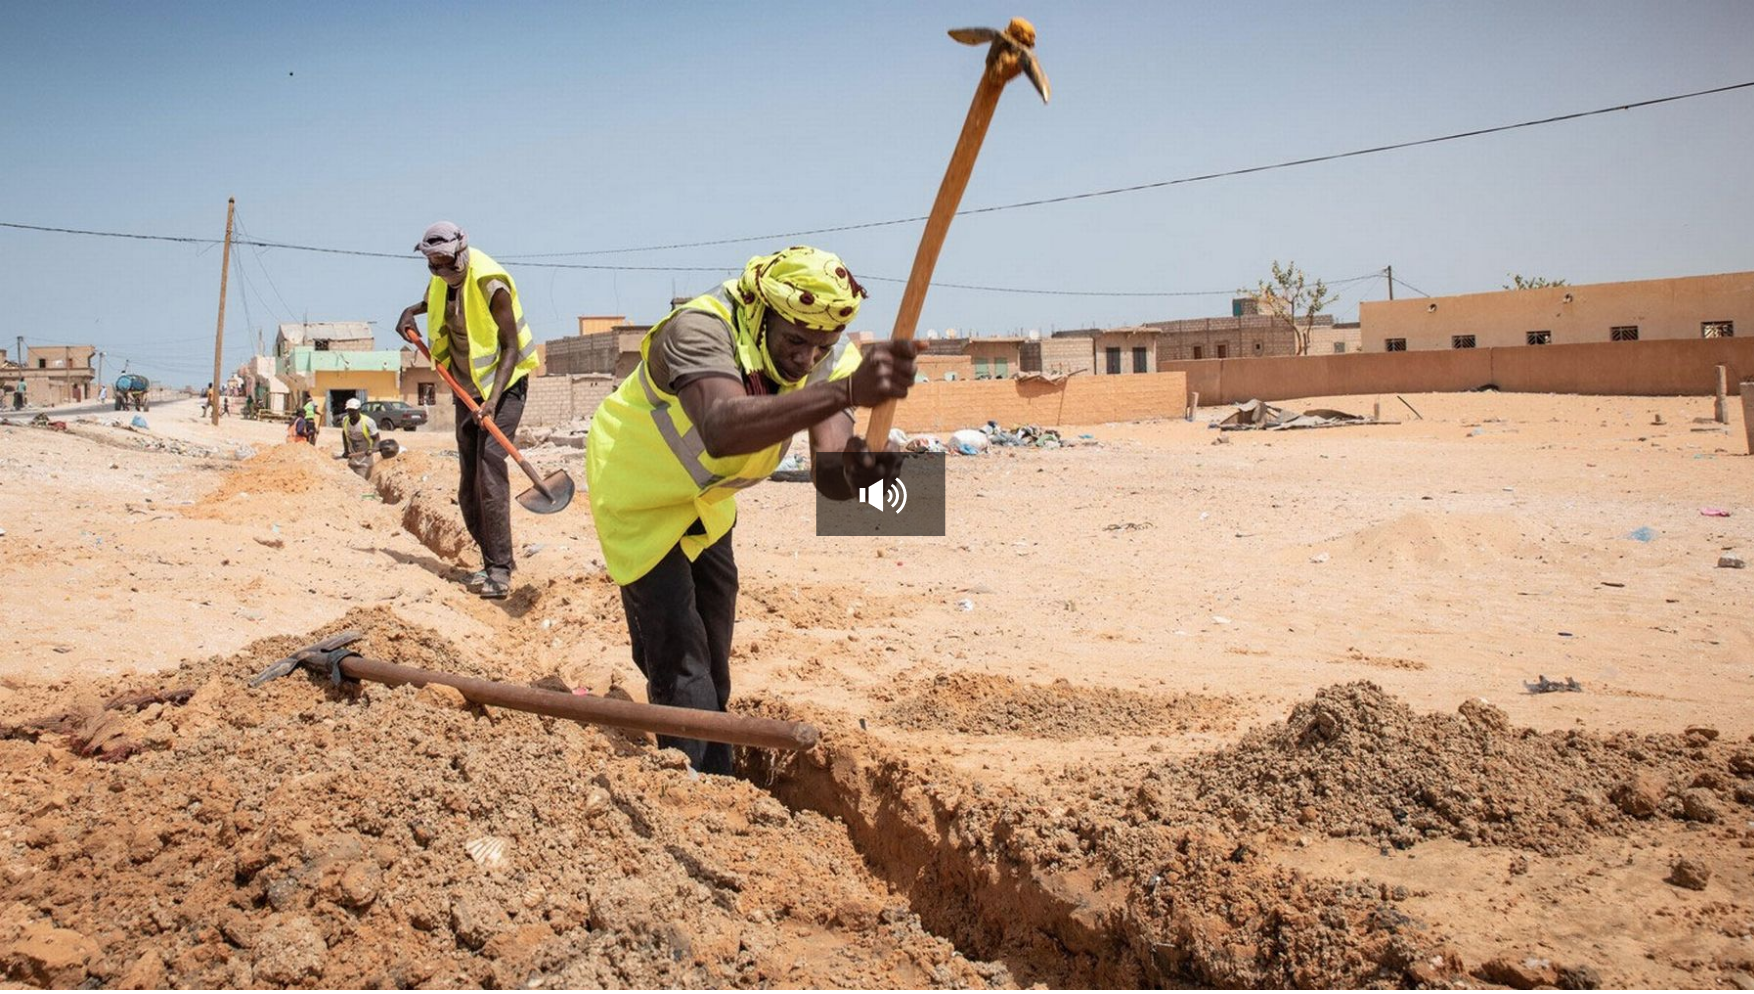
(334, 658)
(1009, 52)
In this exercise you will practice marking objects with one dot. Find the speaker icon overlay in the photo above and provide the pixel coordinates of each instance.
(885, 495)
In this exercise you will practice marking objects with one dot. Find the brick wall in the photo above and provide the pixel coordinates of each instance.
(556, 400)
(1059, 356)
(1079, 400)
(595, 353)
(1674, 367)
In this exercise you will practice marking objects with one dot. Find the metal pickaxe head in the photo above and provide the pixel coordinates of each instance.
(324, 657)
(1009, 52)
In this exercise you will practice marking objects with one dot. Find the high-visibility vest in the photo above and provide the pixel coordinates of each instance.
(357, 438)
(647, 470)
(483, 358)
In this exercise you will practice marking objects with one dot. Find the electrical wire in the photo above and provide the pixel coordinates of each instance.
(1160, 184)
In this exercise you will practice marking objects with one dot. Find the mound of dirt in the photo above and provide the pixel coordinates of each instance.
(816, 605)
(1355, 762)
(295, 835)
(1430, 540)
(978, 704)
(287, 468)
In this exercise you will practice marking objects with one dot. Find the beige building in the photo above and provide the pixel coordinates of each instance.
(591, 324)
(56, 374)
(1061, 355)
(1686, 307)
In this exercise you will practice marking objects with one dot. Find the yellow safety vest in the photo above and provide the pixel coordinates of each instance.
(483, 355)
(357, 438)
(647, 470)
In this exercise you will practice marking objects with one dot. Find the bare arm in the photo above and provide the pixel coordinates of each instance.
(731, 423)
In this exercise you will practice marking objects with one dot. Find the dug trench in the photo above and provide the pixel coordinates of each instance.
(1180, 873)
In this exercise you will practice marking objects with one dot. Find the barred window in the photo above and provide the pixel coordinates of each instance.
(1540, 338)
(1461, 341)
(1394, 345)
(1623, 333)
(1717, 329)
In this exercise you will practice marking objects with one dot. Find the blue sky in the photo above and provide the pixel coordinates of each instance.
(579, 127)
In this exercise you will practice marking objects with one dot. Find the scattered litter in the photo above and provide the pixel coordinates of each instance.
(488, 851)
(1255, 415)
(1545, 686)
(1565, 635)
(1731, 562)
(1320, 557)
(792, 469)
(1220, 619)
(1128, 526)
(965, 605)
(969, 442)
(272, 543)
(1086, 436)
(1612, 583)
(533, 548)
(924, 443)
(1714, 512)
(1643, 533)
(138, 422)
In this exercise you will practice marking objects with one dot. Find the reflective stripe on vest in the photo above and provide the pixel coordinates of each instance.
(648, 474)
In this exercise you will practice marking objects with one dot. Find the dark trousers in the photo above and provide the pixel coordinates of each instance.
(680, 617)
(484, 492)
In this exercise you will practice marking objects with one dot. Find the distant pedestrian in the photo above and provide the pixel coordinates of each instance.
(18, 395)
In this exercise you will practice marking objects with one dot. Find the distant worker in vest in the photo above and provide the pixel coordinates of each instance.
(311, 421)
(478, 332)
(359, 435)
(723, 383)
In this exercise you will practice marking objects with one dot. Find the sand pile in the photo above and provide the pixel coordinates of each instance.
(1440, 540)
(294, 836)
(282, 482)
(1355, 762)
(978, 704)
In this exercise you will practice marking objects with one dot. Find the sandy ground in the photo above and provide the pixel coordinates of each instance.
(1100, 617)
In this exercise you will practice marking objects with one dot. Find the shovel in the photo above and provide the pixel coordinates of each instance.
(547, 494)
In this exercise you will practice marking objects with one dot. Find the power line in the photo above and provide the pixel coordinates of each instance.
(1411, 287)
(1160, 184)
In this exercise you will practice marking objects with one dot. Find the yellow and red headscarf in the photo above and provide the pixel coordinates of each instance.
(806, 286)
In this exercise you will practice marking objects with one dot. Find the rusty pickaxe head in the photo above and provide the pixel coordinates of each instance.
(324, 657)
(1010, 52)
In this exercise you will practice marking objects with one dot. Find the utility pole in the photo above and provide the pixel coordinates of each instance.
(1390, 272)
(100, 371)
(231, 205)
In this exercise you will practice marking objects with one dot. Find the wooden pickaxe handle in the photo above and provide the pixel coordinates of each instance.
(919, 278)
(469, 402)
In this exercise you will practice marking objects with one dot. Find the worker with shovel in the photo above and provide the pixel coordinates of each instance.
(479, 335)
(724, 382)
(359, 434)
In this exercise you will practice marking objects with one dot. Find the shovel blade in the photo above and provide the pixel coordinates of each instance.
(559, 489)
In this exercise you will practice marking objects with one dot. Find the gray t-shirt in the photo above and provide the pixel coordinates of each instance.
(691, 345)
(456, 328)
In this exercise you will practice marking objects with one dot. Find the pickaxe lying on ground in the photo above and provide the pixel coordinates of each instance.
(333, 657)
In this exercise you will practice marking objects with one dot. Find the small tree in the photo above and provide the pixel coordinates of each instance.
(1290, 297)
(1520, 282)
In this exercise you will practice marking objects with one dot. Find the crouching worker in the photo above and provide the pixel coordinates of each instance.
(723, 383)
(359, 436)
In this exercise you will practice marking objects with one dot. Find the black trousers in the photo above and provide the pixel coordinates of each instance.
(680, 617)
(484, 491)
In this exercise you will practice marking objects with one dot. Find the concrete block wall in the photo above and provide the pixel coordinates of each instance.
(1059, 356)
(556, 400)
(1658, 368)
(1078, 400)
